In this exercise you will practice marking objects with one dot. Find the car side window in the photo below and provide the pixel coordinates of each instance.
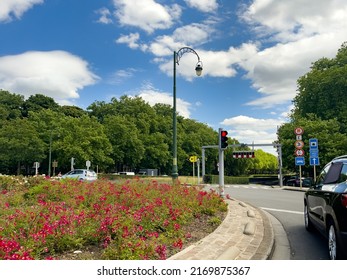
(322, 175)
(333, 174)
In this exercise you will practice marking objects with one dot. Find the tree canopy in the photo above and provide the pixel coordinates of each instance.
(320, 108)
(125, 134)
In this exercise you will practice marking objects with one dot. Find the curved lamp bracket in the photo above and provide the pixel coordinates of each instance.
(182, 51)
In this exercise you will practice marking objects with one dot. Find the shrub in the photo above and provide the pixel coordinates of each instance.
(132, 219)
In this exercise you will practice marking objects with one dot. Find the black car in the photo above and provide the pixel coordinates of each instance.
(325, 206)
(295, 182)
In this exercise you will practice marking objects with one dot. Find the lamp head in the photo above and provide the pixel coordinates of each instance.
(198, 68)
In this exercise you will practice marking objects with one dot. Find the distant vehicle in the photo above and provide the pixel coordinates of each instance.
(325, 206)
(81, 175)
(127, 173)
(295, 181)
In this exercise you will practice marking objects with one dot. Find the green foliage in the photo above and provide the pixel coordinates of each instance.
(215, 221)
(320, 108)
(20, 143)
(331, 141)
(322, 91)
(229, 180)
(126, 134)
(10, 105)
(39, 102)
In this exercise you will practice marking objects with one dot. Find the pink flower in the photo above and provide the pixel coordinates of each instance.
(161, 251)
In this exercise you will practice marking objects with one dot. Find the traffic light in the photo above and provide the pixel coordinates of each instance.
(223, 139)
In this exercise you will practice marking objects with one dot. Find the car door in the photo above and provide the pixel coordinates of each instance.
(315, 196)
(324, 194)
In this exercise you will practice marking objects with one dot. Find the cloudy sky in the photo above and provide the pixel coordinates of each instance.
(252, 54)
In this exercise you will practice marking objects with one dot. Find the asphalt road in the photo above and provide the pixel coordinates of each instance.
(287, 206)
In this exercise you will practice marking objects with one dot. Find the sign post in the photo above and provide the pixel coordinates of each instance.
(54, 165)
(193, 160)
(36, 166)
(88, 163)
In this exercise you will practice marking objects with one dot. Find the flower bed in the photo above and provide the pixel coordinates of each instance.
(133, 219)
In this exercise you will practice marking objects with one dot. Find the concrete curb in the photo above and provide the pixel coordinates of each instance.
(246, 233)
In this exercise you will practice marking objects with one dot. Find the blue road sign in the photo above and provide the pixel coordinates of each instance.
(313, 143)
(314, 160)
(314, 153)
(299, 161)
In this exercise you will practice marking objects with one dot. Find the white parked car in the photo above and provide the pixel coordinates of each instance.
(81, 175)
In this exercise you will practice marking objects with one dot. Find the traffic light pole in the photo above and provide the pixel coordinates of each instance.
(221, 165)
(221, 158)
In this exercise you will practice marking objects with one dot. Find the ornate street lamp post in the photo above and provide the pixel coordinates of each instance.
(198, 69)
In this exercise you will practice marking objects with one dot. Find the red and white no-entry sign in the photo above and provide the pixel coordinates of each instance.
(299, 131)
(299, 153)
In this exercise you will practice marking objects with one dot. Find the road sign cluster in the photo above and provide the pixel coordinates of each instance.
(244, 154)
(299, 145)
(299, 152)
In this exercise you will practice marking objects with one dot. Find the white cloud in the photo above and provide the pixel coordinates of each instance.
(250, 130)
(193, 34)
(120, 76)
(146, 14)
(289, 36)
(154, 96)
(57, 74)
(10, 9)
(131, 40)
(188, 35)
(301, 33)
(203, 5)
(105, 16)
(297, 18)
(215, 63)
(249, 123)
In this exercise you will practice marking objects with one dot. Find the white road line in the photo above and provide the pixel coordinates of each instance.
(282, 210)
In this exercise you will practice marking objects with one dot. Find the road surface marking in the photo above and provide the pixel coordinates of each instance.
(282, 210)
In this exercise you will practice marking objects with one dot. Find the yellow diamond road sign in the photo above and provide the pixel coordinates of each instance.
(193, 159)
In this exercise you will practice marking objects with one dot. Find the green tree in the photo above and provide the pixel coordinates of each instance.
(84, 139)
(192, 136)
(72, 111)
(39, 102)
(10, 105)
(128, 149)
(323, 90)
(48, 124)
(319, 107)
(331, 141)
(157, 153)
(20, 145)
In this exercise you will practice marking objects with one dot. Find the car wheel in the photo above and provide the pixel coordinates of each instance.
(308, 223)
(332, 242)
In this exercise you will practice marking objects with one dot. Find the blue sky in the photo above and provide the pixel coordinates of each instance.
(252, 52)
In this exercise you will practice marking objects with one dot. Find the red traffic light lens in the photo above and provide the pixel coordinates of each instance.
(224, 133)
